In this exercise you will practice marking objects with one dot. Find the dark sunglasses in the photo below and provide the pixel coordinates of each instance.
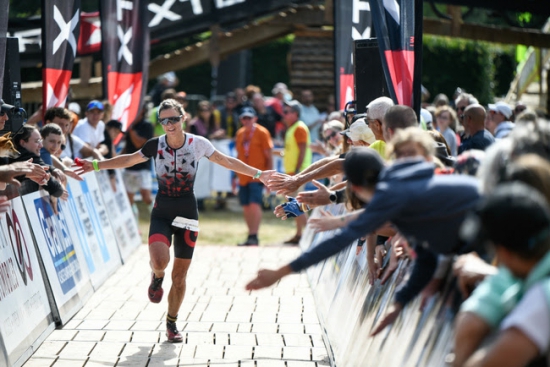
(2, 113)
(331, 135)
(170, 120)
(286, 112)
(461, 108)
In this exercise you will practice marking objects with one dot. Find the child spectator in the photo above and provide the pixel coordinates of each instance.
(52, 139)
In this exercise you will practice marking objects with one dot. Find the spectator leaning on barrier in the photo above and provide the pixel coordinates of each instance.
(74, 146)
(515, 219)
(427, 209)
(255, 148)
(29, 142)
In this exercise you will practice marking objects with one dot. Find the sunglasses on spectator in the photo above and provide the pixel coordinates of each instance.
(170, 120)
(2, 113)
(462, 108)
(286, 112)
(331, 135)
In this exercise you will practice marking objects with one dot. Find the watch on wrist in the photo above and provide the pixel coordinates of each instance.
(332, 197)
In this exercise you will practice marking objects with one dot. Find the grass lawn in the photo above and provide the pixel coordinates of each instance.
(227, 227)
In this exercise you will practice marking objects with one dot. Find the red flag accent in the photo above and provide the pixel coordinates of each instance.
(56, 87)
(401, 67)
(124, 93)
(90, 34)
(346, 90)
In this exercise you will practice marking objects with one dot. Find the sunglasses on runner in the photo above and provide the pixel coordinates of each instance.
(170, 120)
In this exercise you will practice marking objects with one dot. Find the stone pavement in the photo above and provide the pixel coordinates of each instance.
(222, 324)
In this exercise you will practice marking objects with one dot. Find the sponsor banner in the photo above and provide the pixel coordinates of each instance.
(25, 311)
(85, 203)
(68, 280)
(352, 22)
(349, 307)
(125, 46)
(60, 32)
(120, 213)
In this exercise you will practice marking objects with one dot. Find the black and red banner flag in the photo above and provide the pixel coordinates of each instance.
(398, 37)
(125, 45)
(60, 31)
(352, 22)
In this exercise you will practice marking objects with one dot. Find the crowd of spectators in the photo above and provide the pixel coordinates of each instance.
(461, 188)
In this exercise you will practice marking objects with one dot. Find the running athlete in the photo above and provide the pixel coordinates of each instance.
(177, 156)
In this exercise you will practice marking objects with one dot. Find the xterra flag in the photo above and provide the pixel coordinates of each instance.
(125, 44)
(60, 30)
(352, 22)
(395, 30)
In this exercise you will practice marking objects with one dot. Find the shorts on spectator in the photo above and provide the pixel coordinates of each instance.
(138, 180)
(251, 193)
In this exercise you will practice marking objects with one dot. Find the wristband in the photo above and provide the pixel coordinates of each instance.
(96, 165)
(304, 207)
(257, 175)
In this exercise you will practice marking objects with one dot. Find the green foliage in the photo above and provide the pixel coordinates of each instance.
(269, 64)
(482, 69)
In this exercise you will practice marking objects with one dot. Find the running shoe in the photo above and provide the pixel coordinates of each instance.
(172, 333)
(155, 290)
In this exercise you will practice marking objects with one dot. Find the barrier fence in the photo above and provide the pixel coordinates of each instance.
(349, 308)
(51, 261)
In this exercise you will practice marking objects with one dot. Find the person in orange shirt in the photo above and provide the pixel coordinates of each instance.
(254, 147)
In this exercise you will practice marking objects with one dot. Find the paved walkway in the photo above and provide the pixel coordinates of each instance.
(222, 324)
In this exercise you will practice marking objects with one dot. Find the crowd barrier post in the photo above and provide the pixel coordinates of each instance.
(349, 308)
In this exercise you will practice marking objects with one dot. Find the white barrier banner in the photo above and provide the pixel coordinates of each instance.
(120, 213)
(24, 308)
(221, 176)
(61, 261)
(102, 256)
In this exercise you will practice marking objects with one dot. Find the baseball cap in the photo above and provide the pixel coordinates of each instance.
(363, 166)
(95, 104)
(294, 104)
(247, 111)
(334, 125)
(514, 215)
(359, 130)
(501, 107)
(75, 107)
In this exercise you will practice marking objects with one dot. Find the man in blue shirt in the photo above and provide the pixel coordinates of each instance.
(473, 121)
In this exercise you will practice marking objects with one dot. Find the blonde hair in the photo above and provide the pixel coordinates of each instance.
(411, 135)
(452, 114)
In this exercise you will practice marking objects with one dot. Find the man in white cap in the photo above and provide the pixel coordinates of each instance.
(498, 120)
(359, 134)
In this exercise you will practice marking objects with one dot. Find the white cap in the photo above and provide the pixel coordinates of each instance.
(501, 107)
(426, 115)
(359, 130)
(75, 107)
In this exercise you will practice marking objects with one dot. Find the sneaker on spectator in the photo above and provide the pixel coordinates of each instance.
(250, 242)
(293, 241)
(155, 290)
(172, 333)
